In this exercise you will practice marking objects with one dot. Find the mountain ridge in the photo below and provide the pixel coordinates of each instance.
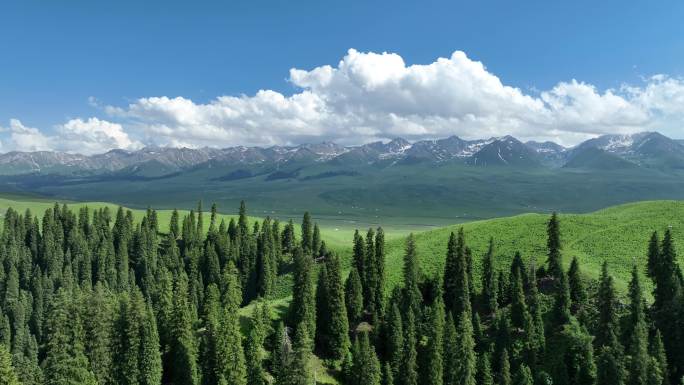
(649, 149)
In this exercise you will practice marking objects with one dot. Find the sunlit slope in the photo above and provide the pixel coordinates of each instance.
(617, 234)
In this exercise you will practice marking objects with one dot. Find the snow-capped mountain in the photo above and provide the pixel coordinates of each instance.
(648, 149)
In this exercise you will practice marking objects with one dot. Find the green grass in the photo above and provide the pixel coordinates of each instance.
(618, 235)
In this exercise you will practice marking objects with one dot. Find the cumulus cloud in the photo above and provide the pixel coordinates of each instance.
(370, 96)
(89, 136)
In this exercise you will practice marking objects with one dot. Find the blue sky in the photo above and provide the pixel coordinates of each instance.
(58, 55)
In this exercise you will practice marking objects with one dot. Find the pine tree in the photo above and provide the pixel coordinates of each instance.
(366, 367)
(637, 349)
(303, 305)
(394, 339)
(658, 367)
(316, 241)
(371, 278)
(254, 357)
(523, 376)
(561, 307)
(433, 372)
(307, 234)
(387, 376)
(412, 295)
(299, 371)
(409, 365)
(578, 293)
(353, 297)
(553, 245)
(484, 370)
(359, 259)
(610, 365)
(465, 349)
(667, 293)
(489, 287)
(150, 361)
(456, 284)
(335, 341)
(7, 373)
(504, 369)
(451, 354)
(183, 349)
(380, 274)
(230, 359)
(65, 362)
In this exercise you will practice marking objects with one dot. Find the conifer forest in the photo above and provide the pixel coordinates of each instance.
(98, 298)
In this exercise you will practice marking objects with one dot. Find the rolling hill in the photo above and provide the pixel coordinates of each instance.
(618, 235)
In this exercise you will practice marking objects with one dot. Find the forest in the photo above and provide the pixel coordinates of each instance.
(96, 297)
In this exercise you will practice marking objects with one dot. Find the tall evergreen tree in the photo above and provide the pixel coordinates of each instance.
(433, 372)
(366, 366)
(578, 293)
(553, 245)
(334, 332)
(7, 373)
(489, 287)
(307, 234)
(484, 370)
(456, 284)
(412, 295)
(637, 348)
(303, 305)
(353, 294)
(409, 366)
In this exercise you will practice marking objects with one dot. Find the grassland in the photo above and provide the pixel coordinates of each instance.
(618, 235)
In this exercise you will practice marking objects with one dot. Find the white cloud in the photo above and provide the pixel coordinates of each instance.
(370, 96)
(76, 136)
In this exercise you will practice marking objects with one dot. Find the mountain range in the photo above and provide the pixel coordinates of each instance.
(647, 149)
(425, 182)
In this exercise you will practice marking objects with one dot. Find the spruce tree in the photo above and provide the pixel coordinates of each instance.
(253, 358)
(394, 339)
(433, 372)
(504, 369)
(523, 376)
(561, 306)
(353, 297)
(412, 295)
(466, 368)
(578, 293)
(307, 234)
(456, 284)
(366, 367)
(380, 274)
(409, 365)
(299, 370)
(637, 348)
(489, 287)
(658, 367)
(553, 245)
(7, 373)
(336, 341)
(303, 305)
(183, 349)
(65, 362)
(484, 370)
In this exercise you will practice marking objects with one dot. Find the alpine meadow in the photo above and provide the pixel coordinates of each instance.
(341, 193)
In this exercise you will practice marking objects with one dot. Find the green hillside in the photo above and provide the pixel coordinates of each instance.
(617, 234)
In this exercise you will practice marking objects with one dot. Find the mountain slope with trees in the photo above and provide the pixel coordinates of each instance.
(96, 297)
